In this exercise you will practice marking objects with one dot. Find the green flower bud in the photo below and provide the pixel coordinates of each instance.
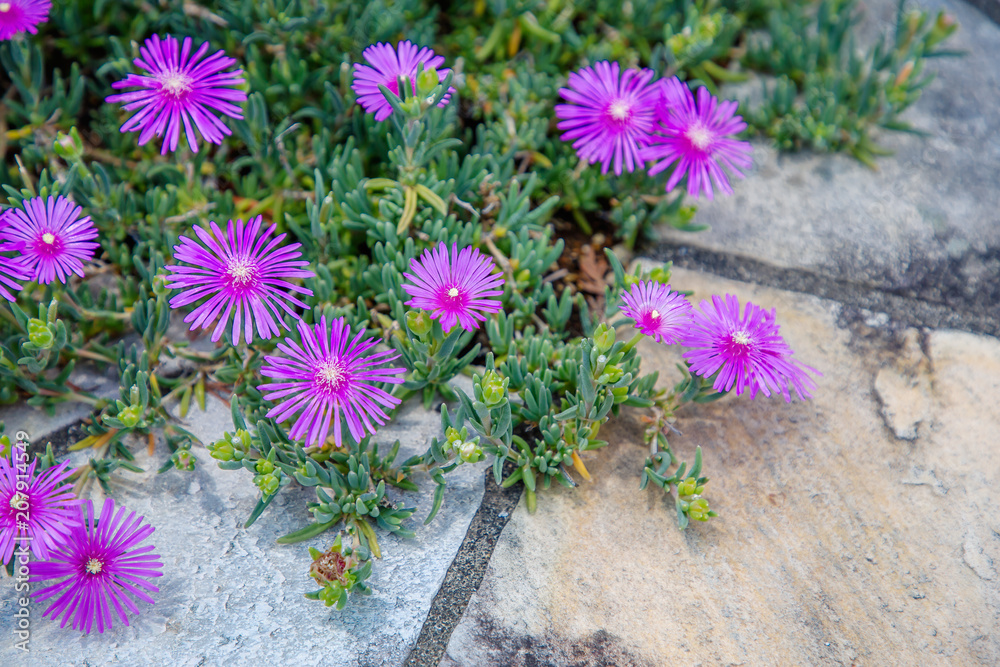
(698, 510)
(183, 459)
(130, 416)
(494, 389)
(268, 484)
(418, 322)
(604, 338)
(221, 450)
(523, 276)
(133, 395)
(427, 81)
(264, 467)
(469, 452)
(68, 146)
(687, 487)
(40, 334)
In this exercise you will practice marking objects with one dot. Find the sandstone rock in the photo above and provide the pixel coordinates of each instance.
(837, 543)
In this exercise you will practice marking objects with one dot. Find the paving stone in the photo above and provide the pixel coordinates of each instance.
(838, 543)
(925, 224)
(231, 595)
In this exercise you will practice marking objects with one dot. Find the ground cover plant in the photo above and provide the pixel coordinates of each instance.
(356, 204)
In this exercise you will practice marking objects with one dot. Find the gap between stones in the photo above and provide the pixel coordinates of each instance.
(906, 310)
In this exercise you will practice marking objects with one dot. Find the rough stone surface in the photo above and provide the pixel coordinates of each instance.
(231, 595)
(838, 543)
(926, 224)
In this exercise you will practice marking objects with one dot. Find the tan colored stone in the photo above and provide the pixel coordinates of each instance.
(838, 543)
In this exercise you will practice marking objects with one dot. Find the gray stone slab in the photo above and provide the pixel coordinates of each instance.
(857, 528)
(925, 224)
(233, 596)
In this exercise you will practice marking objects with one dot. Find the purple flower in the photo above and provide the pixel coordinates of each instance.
(657, 311)
(697, 137)
(180, 90)
(11, 270)
(330, 374)
(386, 66)
(240, 269)
(22, 16)
(42, 512)
(454, 288)
(610, 116)
(99, 563)
(51, 237)
(746, 351)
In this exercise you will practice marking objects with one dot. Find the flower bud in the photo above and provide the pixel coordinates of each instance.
(470, 452)
(604, 338)
(698, 510)
(687, 487)
(494, 389)
(39, 334)
(268, 484)
(427, 81)
(183, 459)
(130, 416)
(264, 466)
(418, 322)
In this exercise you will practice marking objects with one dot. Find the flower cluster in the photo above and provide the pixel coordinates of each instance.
(745, 353)
(628, 119)
(98, 565)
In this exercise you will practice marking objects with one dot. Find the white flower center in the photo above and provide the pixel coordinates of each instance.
(94, 566)
(18, 501)
(48, 237)
(241, 271)
(4, 7)
(655, 314)
(331, 374)
(741, 338)
(175, 83)
(700, 136)
(620, 110)
(453, 292)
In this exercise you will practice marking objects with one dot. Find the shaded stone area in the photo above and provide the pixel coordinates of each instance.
(857, 528)
(231, 595)
(924, 226)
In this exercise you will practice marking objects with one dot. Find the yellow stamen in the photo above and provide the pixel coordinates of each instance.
(655, 314)
(49, 238)
(4, 7)
(19, 501)
(94, 566)
(741, 338)
(453, 292)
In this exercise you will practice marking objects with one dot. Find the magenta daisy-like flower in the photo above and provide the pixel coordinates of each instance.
(386, 65)
(454, 287)
(51, 237)
(98, 564)
(244, 273)
(40, 513)
(11, 270)
(22, 16)
(657, 311)
(329, 375)
(611, 114)
(747, 352)
(180, 89)
(697, 137)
